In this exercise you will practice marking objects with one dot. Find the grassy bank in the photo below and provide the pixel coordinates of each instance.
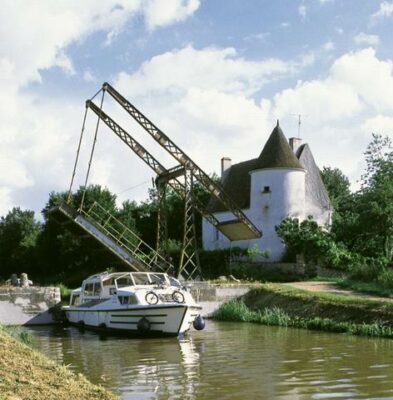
(365, 287)
(274, 304)
(27, 374)
(19, 333)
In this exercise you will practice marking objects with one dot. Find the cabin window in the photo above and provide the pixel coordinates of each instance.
(109, 282)
(124, 281)
(124, 299)
(266, 189)
(97, 289)
(131, 299)
(141, 279)
(174, 282)
(89, 289)
(75, 300)
(158, 279)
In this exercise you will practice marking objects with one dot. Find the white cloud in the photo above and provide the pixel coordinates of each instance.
(355, 82)
(385, 10)
(302, 10)
(222, 69)
(364, 38)
(88, 76)
(379, 124)
(315, 98)
(329, 46)
(38, 135)
(259, 37)
(161, 13)
(206, 96)
(370, 77)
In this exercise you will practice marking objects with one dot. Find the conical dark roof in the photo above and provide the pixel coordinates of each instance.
(277, 153)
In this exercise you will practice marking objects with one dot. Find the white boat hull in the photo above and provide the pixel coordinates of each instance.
(163, 319)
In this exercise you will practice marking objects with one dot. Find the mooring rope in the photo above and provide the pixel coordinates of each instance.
(92, 151)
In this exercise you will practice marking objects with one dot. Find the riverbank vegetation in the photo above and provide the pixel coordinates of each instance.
(28, 375)
(282, 305)
(19, 333)
(360, 241)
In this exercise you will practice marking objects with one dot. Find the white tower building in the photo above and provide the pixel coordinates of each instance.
(283, 181)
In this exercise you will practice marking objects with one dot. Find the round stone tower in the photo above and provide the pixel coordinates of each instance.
(277, 190)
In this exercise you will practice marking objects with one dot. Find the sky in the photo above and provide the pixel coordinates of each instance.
(214, 75)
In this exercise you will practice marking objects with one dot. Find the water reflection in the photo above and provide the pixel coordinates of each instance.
(229, 361)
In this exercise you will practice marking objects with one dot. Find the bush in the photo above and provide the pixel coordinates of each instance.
(215, 263)
(385, 278)
(263, 273)
(367, 269)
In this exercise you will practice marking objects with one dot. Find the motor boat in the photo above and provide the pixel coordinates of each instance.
(141, 303)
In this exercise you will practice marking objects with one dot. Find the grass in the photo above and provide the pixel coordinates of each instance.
(26, 374)
(365, 287)
(275, 304)
(237, 310)
(19, 333)
(65, 292)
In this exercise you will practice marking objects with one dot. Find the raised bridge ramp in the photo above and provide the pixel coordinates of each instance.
(111, 235)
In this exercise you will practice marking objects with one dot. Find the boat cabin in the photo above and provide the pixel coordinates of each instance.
(121, 284)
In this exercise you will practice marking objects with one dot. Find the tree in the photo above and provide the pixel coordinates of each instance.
(65, 257)
(337, 185)
(18, 236)
(375, 200)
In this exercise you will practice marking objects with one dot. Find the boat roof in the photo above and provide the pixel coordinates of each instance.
(106, 275)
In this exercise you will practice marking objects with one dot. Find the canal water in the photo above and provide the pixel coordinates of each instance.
(228, 361)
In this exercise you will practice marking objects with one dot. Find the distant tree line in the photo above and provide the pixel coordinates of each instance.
(50, 253)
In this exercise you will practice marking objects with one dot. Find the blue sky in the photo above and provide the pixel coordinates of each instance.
(213, 74)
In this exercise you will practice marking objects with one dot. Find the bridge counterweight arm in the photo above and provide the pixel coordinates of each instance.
(160, 137)
(142, 153)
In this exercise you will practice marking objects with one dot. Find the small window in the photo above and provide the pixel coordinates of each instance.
(75, 300)
(89, 289)
(266, 189)
(97, 289)
(141, 279)
(124, 281)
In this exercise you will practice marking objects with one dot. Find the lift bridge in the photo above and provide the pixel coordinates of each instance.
(105, 229)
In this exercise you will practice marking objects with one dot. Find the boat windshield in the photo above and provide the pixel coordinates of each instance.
(124, 280)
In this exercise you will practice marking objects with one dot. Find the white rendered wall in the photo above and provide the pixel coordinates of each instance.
(322, 216)
(285, 198)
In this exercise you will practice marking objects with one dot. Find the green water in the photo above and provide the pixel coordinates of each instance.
(228, 361)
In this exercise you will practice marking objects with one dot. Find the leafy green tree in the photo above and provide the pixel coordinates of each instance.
(66, 257)
(375, 200)
(18, 236)
(337, 185)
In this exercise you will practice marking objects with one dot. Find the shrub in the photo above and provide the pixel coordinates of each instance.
(263, 273)
(385, 278)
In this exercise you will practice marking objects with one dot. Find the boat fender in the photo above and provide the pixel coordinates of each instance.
(143, 325)
(199, 323)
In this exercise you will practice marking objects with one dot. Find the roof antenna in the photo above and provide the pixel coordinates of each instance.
(299, 116)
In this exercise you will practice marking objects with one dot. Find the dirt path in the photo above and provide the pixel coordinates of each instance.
(329, 287)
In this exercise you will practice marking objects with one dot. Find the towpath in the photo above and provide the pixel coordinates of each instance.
(329, 287)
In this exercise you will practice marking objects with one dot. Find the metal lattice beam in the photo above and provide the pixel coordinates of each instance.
(214, 188)
(142, 153)
(189, 267)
